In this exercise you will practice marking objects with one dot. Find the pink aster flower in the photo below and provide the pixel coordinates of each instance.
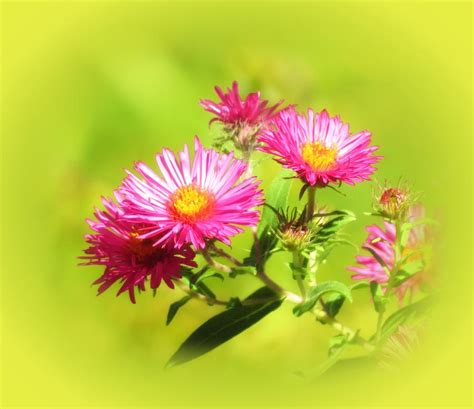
(196, 199)
(116, 244)
(381, 241)
(233, 110)
(319, 148)
(243, 118)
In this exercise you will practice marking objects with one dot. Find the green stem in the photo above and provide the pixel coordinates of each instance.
(343, 329)
(198, 296)
(312, 264)
(215, 264)
(297, 273)
(226, 255)
(378, 332)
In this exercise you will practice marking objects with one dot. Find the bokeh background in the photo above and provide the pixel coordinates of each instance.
(89, 87)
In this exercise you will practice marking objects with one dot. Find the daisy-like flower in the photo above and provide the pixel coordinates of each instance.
(319, 148)
(129, 259)
(381, 241)
(233, 110)
(197, 199)
(242, 118)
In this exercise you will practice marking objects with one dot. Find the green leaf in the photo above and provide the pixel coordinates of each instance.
(359, 285)
(405, 233)
(191, 279)
(175, 307)
(315, 293)
(334, 356)
(276, 197)
(408, 271)
(333, 303)
(210, 274)
(336, 342)
(224, 326)
(402, 315)
(331, 227)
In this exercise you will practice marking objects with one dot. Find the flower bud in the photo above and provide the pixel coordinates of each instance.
(393, 202)
(295, 238)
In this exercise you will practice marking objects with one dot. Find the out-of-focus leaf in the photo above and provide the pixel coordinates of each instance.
(408, 271)
(335, 354)
(336, 342)
(359, 285)
(225, 326)
(402, 315)
(315, 293)
(175, 307)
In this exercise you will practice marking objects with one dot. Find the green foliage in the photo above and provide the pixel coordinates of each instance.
(175, 307)
(328, 235)
(241, 270)
(337, 346)
(315, 293)
(192, 280)
(408, 271)
(333, 303)
(333, 226)
(277, 198)
(226, 325)
(402, 315)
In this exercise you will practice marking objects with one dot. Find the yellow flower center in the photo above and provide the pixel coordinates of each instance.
(190, 203)
(318, 156)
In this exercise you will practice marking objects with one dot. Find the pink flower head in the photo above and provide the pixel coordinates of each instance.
(319, 148)
(382, 242)
(235, 111)
(116, 244)
(197, 199)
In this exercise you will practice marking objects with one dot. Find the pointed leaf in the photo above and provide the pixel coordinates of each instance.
(402, 315)
(315, 293)
(224, 326)
(175, 307)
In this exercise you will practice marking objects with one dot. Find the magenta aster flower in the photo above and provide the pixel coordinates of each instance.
(233, 110)
(319, 148)
(382, 242)
(197, 199)
(116, 244)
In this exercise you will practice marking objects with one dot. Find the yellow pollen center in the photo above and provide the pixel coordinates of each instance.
(318, 156)
(189, 203)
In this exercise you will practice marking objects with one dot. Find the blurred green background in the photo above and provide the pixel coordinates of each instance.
(90, 87)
